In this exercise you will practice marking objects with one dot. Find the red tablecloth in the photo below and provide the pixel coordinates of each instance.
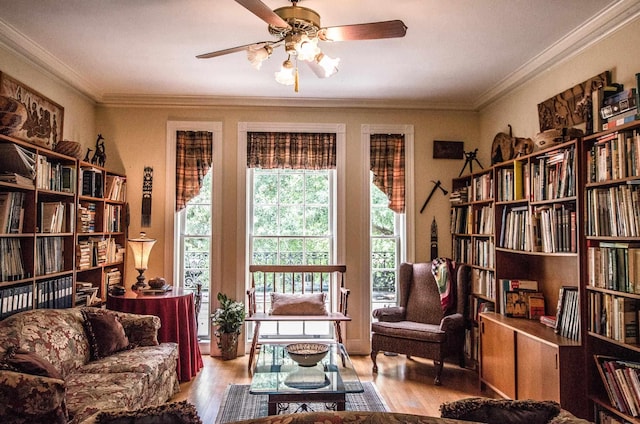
(177, 315)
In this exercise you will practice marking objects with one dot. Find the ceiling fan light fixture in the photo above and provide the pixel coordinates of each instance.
(307, 48)
(285, 75)
(324, 66)
(257, 55)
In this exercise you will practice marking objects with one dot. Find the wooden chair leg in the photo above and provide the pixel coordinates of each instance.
(374, 353)
(438, 365)
(254, 344)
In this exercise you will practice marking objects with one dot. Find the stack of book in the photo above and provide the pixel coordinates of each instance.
(459, 195)
(86, 294)
(15, 159)
(86, 218)
(521, 299)
(619, 108)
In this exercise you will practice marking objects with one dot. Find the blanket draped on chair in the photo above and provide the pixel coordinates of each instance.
(442, 269)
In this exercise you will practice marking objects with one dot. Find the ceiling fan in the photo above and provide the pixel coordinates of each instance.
(299, 30)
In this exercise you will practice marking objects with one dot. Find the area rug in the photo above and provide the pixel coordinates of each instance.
(238, 404)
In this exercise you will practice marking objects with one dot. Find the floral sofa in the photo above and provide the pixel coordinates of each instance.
(67, 365)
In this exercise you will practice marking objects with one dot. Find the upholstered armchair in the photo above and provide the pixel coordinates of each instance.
(420, 326)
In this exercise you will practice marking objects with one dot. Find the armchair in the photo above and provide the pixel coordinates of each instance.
(419, 326)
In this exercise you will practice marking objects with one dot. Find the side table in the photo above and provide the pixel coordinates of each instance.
(176, 311)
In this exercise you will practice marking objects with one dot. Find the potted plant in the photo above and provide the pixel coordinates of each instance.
(228, 319)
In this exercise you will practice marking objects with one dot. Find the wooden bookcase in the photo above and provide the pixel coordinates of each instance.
(39, 231)
(612, 227)
(534, 236)
(473, 243)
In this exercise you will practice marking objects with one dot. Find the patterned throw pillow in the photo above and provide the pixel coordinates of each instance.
(20, 360)
(298, 304)
(502, 411)
(105, 333)
(169, 413)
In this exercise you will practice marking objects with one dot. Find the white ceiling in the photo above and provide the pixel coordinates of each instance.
(456, 54)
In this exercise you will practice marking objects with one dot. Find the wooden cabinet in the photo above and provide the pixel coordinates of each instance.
(523, 360)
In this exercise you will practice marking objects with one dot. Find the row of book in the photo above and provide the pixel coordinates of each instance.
(15, 299)
(613, 211)
(621, 379)
(483, 187)
(568, 313)
(483, 282)
(462, 249)
(511, 182)
(56, 217)
(615, 317)
(49, 255)
(113, 218)
(619, 108)
(50, 293)
(11, 212)
(86, 217)
(55, 292)
(547, 229)
(614, 156)
(483, 249)
(553, 175)
(55, 176)
(461, 220)
(11, 262)
(115, 188)
(484, 220)
(91, 182)
(614, 266)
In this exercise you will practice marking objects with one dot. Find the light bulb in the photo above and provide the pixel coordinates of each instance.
(285, 75)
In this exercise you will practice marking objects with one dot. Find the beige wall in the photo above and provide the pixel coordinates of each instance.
(138, 138)
(616, 53)
(79, 110)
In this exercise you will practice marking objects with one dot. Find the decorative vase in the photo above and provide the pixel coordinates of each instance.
(228, 345)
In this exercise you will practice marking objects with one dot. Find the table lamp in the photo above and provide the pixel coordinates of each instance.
(141, 248)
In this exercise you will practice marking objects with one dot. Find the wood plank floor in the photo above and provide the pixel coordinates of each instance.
(406, 385)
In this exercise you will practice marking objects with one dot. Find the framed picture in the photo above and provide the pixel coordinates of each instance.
(42, 123)
(448, 149)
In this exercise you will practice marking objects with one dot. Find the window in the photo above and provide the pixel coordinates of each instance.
(318, 233)
(390, 240)
(193, 256)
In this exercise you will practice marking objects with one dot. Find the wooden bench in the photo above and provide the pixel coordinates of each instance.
(296, 279)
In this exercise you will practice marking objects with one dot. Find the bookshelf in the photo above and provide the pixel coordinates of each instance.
(532, 237)
(612, 241)
(473, 243)
(101, 236)
(42, 224)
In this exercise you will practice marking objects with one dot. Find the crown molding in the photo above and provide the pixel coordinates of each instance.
(599, 27)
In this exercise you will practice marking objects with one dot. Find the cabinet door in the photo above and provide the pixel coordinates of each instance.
(497, 357)
(538, 371)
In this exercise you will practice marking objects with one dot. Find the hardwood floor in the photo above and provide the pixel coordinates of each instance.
(406, 385)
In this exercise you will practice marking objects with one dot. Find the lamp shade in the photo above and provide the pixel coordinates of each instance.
(141, 248)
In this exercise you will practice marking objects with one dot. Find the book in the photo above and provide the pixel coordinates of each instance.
(15, 178)
(17, 159)
(535, 308)
(509, 285)
(515, 304)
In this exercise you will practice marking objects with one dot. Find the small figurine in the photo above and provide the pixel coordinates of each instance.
(100, 156)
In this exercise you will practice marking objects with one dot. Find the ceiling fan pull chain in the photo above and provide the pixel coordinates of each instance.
(297, 84)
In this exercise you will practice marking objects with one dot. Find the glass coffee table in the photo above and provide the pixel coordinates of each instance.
(284, 381)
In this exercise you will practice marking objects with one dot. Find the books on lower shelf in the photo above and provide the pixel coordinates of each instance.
(15, 299)
(11, 212)
(98, 251)
(615, 317)
(56, 217)
(614, 266)
(621, 379)
(568, 313)
(86, 294)
(11, 260)
(49, 255)
(55, 292)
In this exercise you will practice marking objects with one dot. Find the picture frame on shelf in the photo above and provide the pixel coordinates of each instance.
(38, 119)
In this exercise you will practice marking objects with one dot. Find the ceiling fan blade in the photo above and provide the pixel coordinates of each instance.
(370, 31)
(263, 12)
(231, 50)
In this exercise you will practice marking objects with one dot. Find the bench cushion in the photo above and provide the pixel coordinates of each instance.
(298, 304)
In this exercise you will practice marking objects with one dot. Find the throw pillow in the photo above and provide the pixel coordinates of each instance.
(298, 304)
(501, 410)
(29, 363)
(105, 333)
(169, 413)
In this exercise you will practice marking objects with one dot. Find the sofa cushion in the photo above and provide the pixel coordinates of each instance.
(503, 411)
(105, 333)
(170, 413)
(298, 304)
(30, 363)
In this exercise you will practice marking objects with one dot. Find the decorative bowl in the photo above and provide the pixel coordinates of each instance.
(307, 354)
(157, 283)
